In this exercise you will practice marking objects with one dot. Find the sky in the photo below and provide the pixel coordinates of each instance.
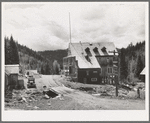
(45, 26)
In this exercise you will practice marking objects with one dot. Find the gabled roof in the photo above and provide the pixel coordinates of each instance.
(143, 72)
(78, 50)
(12, 69)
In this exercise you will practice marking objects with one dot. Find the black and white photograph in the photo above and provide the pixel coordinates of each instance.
(75, 61)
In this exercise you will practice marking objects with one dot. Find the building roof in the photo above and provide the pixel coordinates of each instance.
(32, 71)
(12, 69)
(7, 72)
(143, 72)
(80, 51)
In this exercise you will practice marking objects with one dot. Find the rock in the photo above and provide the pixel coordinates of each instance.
(61, 98)
(35, 107)
(7, 100)
(9, 104)
(16, 92)
(24, 99)
(46, 96)
(28, 92)
(96, 94)
(49, 104)
(36, 93)
(19, 98)
(105, 94)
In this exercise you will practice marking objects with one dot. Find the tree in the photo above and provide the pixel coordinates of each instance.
(123, 65)
(47, 71)
(42, 69)
(56, 67)
(139, 66)
(7, 51)
(13, 52)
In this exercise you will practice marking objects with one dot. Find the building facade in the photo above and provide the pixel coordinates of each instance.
(92, 63)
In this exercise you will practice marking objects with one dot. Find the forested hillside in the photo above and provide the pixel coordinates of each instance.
(55, 55)
(30, 59)
(26, 57)
(132, 61)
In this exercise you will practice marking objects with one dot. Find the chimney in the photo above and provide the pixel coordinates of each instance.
(90, 43)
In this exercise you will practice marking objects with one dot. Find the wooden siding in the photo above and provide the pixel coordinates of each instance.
(90, 76)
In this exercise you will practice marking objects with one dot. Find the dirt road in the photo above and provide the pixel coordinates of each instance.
(74, 99)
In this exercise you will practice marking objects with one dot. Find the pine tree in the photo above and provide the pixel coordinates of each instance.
(56, 67)
(7, 51)
(139, 66)
(42, 70)
(13, 52)
(123, 65)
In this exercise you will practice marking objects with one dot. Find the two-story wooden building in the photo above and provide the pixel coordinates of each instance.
(91, 62)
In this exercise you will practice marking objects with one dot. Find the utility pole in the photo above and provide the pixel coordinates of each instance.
(117, 76)
(70, 27)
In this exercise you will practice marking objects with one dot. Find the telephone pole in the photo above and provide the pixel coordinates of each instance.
(117, 76)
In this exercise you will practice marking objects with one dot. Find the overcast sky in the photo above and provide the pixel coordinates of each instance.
(45, 26)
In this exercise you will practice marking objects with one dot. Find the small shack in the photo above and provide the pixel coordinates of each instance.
(11, 72)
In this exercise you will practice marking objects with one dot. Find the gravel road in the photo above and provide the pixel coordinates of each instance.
(72, 99)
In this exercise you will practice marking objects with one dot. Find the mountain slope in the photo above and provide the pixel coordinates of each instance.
(54, 55)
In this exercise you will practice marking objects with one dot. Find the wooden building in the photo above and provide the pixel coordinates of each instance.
(11, 75)
(92, 62)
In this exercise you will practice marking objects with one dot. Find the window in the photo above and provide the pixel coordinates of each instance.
(110, 70)
(96, 51)
(87, 73)
(107, 60)
(94, 71)
(93, 79)
(70, 70)
(104, 51)
(70, 61)
(87, 50)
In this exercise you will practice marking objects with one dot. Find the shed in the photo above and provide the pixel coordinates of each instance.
(11, 72)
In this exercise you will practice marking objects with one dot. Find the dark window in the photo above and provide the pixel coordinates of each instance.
(104, 51)
(70, 61)
(110, 70)
(94, 71)
(87, 73)
(107, 60)
(65, 60)
(93, 79)
(87, 50)
(70, 70)
(96, 51)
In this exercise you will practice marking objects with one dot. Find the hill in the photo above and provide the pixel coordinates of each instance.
(30, 59)
(54, 55)
(132, 62)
